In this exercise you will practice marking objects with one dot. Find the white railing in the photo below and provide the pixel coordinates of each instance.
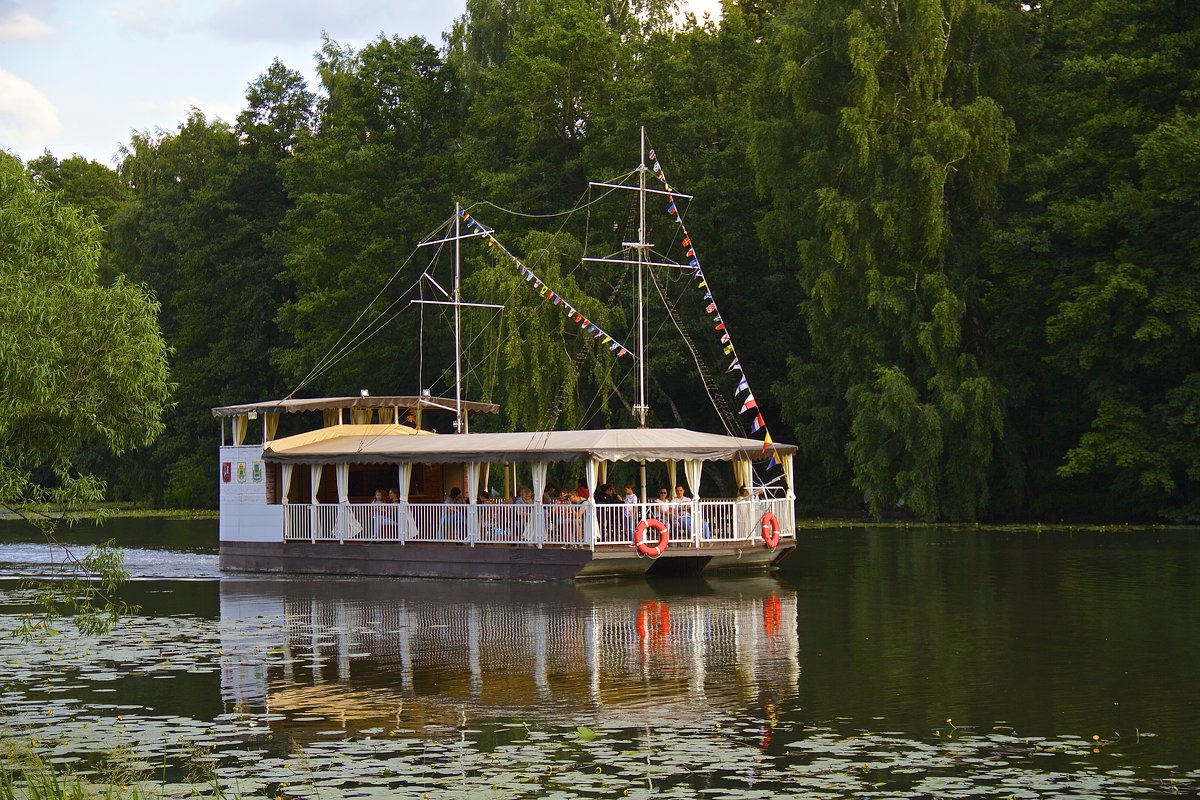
(696, 524)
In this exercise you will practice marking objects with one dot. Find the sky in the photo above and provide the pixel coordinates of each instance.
(80, 77)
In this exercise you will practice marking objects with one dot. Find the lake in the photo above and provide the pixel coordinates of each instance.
(878, 663)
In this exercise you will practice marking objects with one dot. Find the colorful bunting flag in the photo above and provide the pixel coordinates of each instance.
(728, 349)
(757, 424)
(720, 326)
(742, 386)
(735, 365)
(767, 442)
(710, 308)
(749, 404)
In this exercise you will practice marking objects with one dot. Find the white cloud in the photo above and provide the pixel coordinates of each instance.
(178, 109)
(28, 121)
(148, 17)
(21, 26)
(303, 20)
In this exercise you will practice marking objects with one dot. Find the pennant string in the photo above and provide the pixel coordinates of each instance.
(542, 288)
(735, 365)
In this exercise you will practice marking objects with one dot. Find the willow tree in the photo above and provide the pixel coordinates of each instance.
(539, 363)
(80, 362)
(879, 148)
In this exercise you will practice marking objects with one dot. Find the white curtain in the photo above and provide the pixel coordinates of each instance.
(691, 470)
(315, 471)
(535, 529)
(408, 523)
(270, 425)
(591, 471)
(360, 416)
(786, 463)
(474, 469)
(671, 480)
(343, 483)
(484, 474)
(601, 473)
(287, 483)
(346, 521)
(239, 429)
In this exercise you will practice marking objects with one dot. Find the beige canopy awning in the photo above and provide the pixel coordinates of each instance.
(627, 444)
(322, 403)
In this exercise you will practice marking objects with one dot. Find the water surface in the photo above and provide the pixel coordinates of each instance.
(878, 663)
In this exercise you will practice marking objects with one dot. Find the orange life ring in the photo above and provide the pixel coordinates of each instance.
(639, 538)
(770, 530)
(647, 626)
(772, 616)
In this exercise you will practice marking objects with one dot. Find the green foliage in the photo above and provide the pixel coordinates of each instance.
(881, 151)
(81, 364)
(1104, 236)
(956, 238)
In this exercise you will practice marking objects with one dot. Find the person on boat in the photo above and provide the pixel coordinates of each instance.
(410, 419)
(681, 508)
(393, 496)
(576, 510)
(524, 495)
(453, 523)
(380, 516)
(550, 494)
(662, 506)
(630, 500)
(582, 490)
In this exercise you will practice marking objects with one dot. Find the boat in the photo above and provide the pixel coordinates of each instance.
(303, 503)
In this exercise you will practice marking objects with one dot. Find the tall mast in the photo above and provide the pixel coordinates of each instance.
(640, 409)
(460, 424)
(641, 260)
(454, 298)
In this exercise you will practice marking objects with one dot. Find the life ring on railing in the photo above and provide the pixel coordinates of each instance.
(639, 538)
(770, 530)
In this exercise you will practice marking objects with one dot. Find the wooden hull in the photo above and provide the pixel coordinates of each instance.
(489, 562)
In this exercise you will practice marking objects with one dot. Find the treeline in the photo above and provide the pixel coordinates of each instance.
(956, 241)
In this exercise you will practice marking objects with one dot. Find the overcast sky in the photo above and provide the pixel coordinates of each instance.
(79, 77)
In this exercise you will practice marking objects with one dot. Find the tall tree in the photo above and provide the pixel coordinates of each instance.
(373, 177)
(80, 363)
(209, 199)
(1096, 266)
(880, 148)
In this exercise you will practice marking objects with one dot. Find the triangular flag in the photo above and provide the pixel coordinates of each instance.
(652, 156)
(728, 349)
(702, 284)
(735, 365)
(710, 308)
(772, 462)
(742, 386)
(708, 295)
(607, 338)
(529, 277)
(720, 326)
(622, 352)
(767, 442)
(671, 209)
(749, 404)
(691, 252)
(757, 424)
(614, 346)
(725, 339)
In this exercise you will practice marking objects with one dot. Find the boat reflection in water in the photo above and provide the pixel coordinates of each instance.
(401, 655)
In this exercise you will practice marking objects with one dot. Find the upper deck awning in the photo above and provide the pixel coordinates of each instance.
(293, 406)
(625, 444)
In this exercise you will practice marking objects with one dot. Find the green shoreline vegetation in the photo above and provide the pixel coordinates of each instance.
(953, 243)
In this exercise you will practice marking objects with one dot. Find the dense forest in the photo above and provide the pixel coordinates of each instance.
(956, 240)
